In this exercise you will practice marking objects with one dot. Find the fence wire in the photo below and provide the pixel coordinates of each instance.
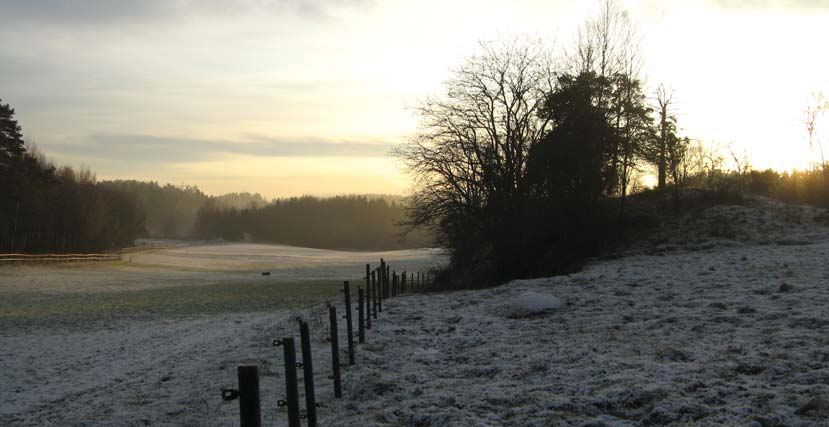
(317, 316)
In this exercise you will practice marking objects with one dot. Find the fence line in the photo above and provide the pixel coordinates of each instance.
(381, 285)
(58, 258)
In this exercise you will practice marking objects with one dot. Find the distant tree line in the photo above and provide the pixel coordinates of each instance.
(171, 210)
(49, 209)
(44, 208)
(705, 167)
(342, 222)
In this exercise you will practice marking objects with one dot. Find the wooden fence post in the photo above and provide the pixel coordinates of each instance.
(348, 325)
(361, 313)
(308, 375)
(335, 352)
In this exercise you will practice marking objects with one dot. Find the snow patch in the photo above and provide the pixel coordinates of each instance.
(530, 303)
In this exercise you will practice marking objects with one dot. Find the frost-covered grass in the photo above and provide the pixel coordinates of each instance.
(721, 322)
(731, 333)
(708, 337)
(83, 310)
(152, 340)
(184, 281)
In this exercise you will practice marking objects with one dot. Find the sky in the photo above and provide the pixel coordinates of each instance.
(292, 97)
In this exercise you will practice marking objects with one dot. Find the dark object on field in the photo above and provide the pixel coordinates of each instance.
(785, 287)
(816, 405)
(266, 273)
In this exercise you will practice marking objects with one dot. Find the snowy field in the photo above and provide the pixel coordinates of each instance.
(722, 320)
(152, 340)
(729, 328)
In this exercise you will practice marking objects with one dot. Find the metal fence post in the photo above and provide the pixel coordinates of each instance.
(250, 413)
(348, 325)
(373, 295)
(361, 313)
(367, 307)
(308, 375)
(335, 352)
(292, 392)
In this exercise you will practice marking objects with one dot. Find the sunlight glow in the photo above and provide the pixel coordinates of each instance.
(741, 76)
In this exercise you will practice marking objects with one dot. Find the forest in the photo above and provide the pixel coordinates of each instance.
(355, 222)
(171, 210)
(46, 208)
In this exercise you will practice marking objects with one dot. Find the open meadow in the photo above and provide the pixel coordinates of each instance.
(152, 339)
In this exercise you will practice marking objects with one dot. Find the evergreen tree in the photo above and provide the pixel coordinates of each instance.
(11, 139)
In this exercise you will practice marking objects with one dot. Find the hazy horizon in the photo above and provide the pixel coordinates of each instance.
(287, 98)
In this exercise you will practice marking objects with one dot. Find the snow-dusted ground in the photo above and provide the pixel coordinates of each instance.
(725, 324)
(285, 261)
(153, 340)
(733, 333)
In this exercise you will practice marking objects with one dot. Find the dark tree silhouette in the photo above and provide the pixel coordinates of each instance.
(608, 48)
(49, 209)
(667, 133)
(469, 160)
(11, 139)
(512, 163)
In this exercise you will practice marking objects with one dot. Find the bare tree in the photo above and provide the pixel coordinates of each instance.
(602, 41)
(742, 165)
(468, 161)
(811, 115)
(471, 150)
(608, 47)
(667, 126)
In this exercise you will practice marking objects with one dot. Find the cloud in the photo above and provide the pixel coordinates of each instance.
(108, 12)
(148, 149)
(83, 11)
(774, 4)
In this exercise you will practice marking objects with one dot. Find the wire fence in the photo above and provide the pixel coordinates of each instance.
(326, 339)
(7, 259)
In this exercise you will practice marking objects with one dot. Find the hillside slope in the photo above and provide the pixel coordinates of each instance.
(721, 329)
